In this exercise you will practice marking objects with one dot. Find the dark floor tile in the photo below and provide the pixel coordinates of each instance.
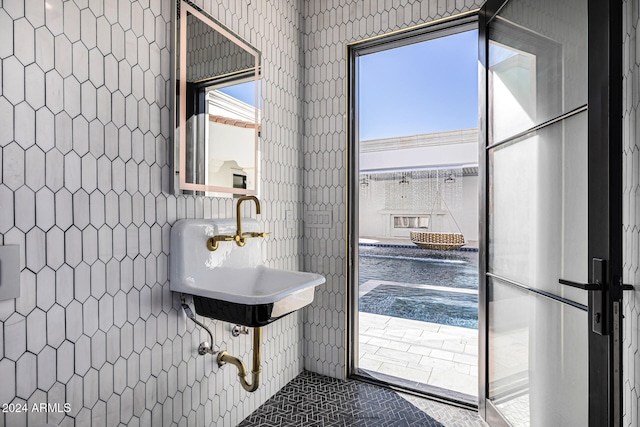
(315, 400)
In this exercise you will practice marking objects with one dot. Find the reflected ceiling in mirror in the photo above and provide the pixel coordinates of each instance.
(217, 107)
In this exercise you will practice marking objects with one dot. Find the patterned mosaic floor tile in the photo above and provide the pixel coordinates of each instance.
(315, 400)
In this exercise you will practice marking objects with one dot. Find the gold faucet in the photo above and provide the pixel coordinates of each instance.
(240, 237)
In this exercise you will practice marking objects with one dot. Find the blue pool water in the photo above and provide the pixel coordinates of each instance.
(407, 265)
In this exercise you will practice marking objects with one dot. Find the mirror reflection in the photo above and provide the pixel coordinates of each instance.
(217, 107)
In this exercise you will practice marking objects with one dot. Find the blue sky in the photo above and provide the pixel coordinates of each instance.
(242, 91)
(425, 87)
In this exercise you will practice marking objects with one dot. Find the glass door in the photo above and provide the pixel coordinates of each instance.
(551, 238)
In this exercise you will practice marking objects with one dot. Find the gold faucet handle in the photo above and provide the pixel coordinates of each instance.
(212, 242)
(255, 234)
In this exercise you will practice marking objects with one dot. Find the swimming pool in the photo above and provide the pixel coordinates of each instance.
(420, 284)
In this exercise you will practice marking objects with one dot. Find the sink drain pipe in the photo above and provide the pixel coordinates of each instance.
(224, 358)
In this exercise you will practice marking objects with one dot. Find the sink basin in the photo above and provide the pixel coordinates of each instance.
(231, 283)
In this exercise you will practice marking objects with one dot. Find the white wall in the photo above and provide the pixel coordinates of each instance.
(234, 145)
(441, 155)
(375, 214)
(631, 216)
(85, 191)
(469, 217)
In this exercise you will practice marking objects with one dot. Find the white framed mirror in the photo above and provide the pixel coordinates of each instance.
(217, 107)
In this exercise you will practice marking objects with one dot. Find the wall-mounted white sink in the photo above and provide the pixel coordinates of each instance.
(231, 283)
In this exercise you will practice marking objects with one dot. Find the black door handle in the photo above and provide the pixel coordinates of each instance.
(584, 286)
(598, 302)
(591, 286)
